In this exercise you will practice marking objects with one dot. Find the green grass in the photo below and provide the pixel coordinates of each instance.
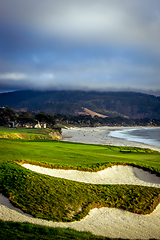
(78, 156)
(27, 134)
(63, 200)
(27, 231)
(24, 130)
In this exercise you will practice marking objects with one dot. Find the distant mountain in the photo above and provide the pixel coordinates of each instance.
(129, 104)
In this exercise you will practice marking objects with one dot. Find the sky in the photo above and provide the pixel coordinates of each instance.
(104, 45)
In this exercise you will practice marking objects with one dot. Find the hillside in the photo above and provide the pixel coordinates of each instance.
(91, 113)
(112, 104)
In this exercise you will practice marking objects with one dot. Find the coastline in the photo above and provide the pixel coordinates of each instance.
(99, 135)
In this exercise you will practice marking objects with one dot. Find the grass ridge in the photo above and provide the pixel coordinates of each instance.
(59, 199)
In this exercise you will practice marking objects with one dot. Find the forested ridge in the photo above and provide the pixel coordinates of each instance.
(112, 104)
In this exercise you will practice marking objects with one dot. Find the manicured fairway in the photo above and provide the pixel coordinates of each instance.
(34, 145)
(73, 155)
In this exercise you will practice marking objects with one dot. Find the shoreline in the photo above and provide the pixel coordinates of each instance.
(99, 135)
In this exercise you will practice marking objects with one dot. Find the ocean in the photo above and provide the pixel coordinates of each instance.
(150, 136)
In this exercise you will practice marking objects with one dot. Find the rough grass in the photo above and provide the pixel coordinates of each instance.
(28, 134)
(27, 231)
(63, 200)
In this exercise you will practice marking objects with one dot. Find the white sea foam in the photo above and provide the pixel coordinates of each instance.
(117, 136)
(149, 136)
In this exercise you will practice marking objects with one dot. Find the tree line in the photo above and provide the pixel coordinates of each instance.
(8, 115)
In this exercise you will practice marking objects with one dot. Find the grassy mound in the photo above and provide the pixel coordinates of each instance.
(63, 200)
(29, 134)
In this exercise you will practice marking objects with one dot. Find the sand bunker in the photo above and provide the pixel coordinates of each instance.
(109, 222)
(112, 175)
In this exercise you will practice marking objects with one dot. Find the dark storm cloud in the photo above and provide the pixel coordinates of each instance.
(71, 44)
(133, 22)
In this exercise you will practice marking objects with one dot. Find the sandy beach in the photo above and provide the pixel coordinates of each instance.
(108, 222)
(98, 135)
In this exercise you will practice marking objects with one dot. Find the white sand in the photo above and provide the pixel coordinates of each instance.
(110, 222)
(112, 175)
(98, 135)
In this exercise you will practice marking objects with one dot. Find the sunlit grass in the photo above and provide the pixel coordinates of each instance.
(28, 231)
(63, 200)
(78, 156)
